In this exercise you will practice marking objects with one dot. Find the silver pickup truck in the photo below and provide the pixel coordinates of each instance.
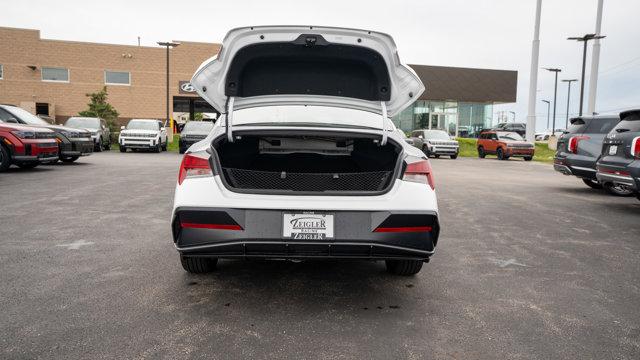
(435, 142)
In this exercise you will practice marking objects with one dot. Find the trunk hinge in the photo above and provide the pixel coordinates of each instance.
(384, 123)
(229, 118)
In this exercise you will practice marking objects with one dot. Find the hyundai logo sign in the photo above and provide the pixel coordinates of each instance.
(185, 87)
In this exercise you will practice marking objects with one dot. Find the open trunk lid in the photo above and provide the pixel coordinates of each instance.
(307, 65)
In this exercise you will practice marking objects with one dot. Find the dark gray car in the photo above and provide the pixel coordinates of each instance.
(193, 132)
(100, 133)
(435, 143)
(619, 162)
(580, 146)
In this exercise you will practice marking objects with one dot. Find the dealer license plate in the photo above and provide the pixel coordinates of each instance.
(613, 149)
(307, 226)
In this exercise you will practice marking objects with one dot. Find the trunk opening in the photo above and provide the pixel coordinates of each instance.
(307, 163)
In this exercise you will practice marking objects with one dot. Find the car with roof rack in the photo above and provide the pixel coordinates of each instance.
(72, 143)
(580, 146)
(619, 162)
(304, 161)
(25, 146)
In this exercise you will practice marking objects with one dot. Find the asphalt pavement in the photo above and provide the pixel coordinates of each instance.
(530, 265)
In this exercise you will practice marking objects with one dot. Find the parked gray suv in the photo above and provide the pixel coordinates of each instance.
(579, 148)
(435, 142)
(100, 133)
(192, 132)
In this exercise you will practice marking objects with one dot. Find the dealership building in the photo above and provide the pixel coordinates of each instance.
(52, 77)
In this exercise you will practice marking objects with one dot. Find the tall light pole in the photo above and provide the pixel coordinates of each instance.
(548, 110)
(595, 62)
(585, 39)
(168, 45)
(533, 78)
(555, 93)
(568, 81)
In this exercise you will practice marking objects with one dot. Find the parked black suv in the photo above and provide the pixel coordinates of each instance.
(580, 146)
(620, 159)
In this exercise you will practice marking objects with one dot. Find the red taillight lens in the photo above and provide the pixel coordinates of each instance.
(635, 147)
(419, 171)
(193, 165)
(573, 143)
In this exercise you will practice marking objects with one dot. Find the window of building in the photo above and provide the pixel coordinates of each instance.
(1, 72)
(117, 77)
(55, 74)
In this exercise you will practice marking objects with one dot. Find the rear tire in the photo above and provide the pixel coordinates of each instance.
(404, 267)
(164, 147)
(98, 147)
(500, 154)
(198, 265)
(618, 190)
(107, 146)
(437, 156)
(454, 156)
(5, 159)
(528, 158)
(481, 153)
(158, 148)
(594, 184)
(425, 150)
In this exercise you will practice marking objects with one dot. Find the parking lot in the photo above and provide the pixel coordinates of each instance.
(530, 264)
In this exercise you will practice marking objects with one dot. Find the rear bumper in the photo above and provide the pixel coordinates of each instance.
(259, 233)
(586, 170)
(626, 180)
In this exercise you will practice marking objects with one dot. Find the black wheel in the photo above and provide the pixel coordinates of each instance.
(123, 149)
(182, 150)
(98, 146)
(528, 158)
(198, 265)
(618, 189)
(594, 184)
(437, 156)
(107, 146)
(481, 153)
(164, 147)
(27, 165)
(454, 156)
(158, 148)
(68, 159)
(425, 150)
(500, 154)
(404, 267)
(5, 158)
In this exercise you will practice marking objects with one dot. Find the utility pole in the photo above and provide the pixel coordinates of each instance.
(168, 45)
(595, 62)
(569, 81)
(533, 78)
(584, 39)
(548, 110)
(555, 97)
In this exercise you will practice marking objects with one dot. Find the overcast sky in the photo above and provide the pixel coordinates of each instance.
(493, 34)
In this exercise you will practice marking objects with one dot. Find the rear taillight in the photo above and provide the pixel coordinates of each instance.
(194, 165)
(573, 143)
(635, 147)
(419, 171)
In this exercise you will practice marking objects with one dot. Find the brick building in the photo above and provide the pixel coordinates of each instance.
(51, 77)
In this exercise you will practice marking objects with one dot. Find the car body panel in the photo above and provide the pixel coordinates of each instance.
(143, 138)
(42, 148)
(425, 140)
(490, 142)
(404, 86)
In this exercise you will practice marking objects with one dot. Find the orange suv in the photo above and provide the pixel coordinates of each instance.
(504, 144)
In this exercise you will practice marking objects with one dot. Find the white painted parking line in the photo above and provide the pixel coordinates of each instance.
(505, 263)
(75, 245)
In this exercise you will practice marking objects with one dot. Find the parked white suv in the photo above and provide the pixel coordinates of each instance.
(304, 161)
(143, 134)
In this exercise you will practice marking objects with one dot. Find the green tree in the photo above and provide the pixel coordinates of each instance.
(99, 107)
(198, 116)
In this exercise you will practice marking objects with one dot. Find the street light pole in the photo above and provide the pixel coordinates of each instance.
(568, 81)
(585, 39)
(548, 110)
(555, 96)
(168, 45)
(533, 78)
(595, 62)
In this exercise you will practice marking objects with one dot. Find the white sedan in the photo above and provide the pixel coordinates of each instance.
(304, 161)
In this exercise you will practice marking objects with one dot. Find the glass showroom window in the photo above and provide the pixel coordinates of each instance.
(117, 77)
(55, 74)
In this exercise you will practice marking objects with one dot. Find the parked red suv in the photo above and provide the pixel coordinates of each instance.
(26, 146)
(504, 144)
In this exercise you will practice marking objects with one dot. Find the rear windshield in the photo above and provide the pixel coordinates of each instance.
(576, 126)
(601, 126)
(628, 125)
